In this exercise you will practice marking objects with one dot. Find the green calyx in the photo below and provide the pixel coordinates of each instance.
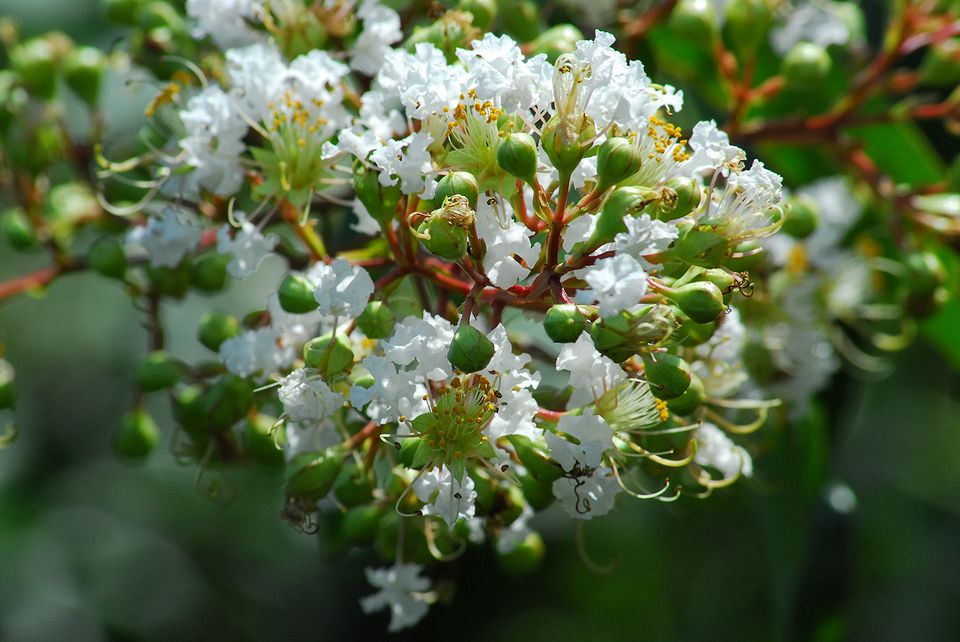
(564, 323)
(517, 155)
(107, 257)
(702, 301)
(313, 474)
(669, 376)
(470, 350)
(805, 65)
(377, 320)
(158, 372)
(296, 295)
(328, 354)
(618, 159)
(458, 183)
(445, 231)
(216, 327)
(802, 217)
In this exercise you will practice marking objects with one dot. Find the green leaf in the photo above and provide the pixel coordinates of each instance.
(901, 151)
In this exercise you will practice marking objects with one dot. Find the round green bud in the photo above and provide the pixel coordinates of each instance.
(668, 375)
(612, 337)
(695, 21)
(36, 62)
(688, 195)
(521, 19)
(381, 202)
(802, 217)
(209, 272)
(353, 487)
(925, 273)
(509, 505)
(124, 12)
(83, 73)
(746, 26)
(327, 354)
(690, 400)
(138, 435)
(538, 464)
(313, 473)
(189, 409)
(622, 202)
(107, 257)
(941, 65)
(702, 301)
(484, 12)
(17, 229)
(227, 402)
(566, 146)
(7, 390)
(470, 350)
(724, 280)
(806, 65)
(744, 257)
(517, 156)
(260, 442)
(216, 327)
(377, 320)
(158, 15)
(564, 323)
(445, 240)
(296, 295)
(360, 524)
(157, 371)
(538, 494)
(462, 183)
(556, 41)
(524, 558)
(173, 282)
(618, 159)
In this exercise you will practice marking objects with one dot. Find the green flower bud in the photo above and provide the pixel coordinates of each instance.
(758, 361)
(36, 61)
(668, 375)
(566, 140)
(612, 337)
(484, 12)
(746, 26)
(158, 371)
(227, 402)
(539, 495)
(462, 183)
(173, 282)
(83, 73)
(695, 333)
(688, 193)
(313, 473)
(209, 272)
(521, 19)
(327, 354)
(261, 443)
(702, 301)
(7, 390)
(806, 65)
(618, 159)
(381, 202)
(941, 65)
(926, 273)
(216, 327)
(744, 257)
(470, 350)
(360, 524)
(296, 295)
(509, 505)
(517, 155)
(699, 247)
(690, 400)
(556, 41)
(564, 323)
(695, 21)
(442, 238)
(377, 320)
(524, 558)
(17, 229)
(622, 202)
(107, 257)
(137, 436)
(124, 12)
(189, 409)
(802, 217)
(725, 281)
(540, 466)
(353, 487)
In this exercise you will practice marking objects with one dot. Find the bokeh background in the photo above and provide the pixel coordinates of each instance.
(850, 528)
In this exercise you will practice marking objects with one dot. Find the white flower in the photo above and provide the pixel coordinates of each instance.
(591, 373)
(381, 28)
(587, 496)
(214, 141)
(225, 20)
(445, 496)
(510, 255)
(248, 247)
(644, 236)
(402, 590)
(517, 405)
(425, 341)
(167, 237)
(314, 80)
(716, 450)
(255, 351)
(406, 159)
(395, 392)
(747, 204)
(341, 289)
(593, 434)
(497, 71)
(618, 283)
(306, 397)
(819, 22)
(366, 224)
(712, 150)
(424, 81)
(256, 74)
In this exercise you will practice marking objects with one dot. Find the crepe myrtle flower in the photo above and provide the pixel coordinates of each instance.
(402, 590)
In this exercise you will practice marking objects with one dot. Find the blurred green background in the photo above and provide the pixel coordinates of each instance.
(849, 530)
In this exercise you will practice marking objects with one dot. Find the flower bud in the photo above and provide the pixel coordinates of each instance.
(462, 183)
(227, 402)
(327, 354)
(381, 202)
(215, 328)
(802, 217)
(612, 337)
(314, 473)
(296, 295)
(521, 19)
(746, 26)
(209, 272)
(539, 495)
(540, 466)
(695, 21)
(688, 193)
(470, 350)
(692, 333)
(805, 65)
(758, 361)
(107, 257)
(725, 281)
(668, 375)
(702, 301)
(564, 323)
(484, 12)
(556, 41)
(353, 486)
(83, 73)
(926, 273)
(566, 139)
(744, 256)
(618, 159)
(158, 371)
(443, 239)
(260, 443)
(377, 320)
(36, 61)
(189, 409)
(7, 390)
(360, 524)
(621, 202)
(173, 282)
(137, 436)
(690, 400)
(17, 229)
(524, 558)
(517, 155)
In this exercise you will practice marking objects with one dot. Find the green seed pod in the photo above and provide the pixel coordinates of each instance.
(462, 183)
(688, 193)
(353, 487)
(521, 19)
(702, 301)
(445, 240)
(328, 355)
(17, 229)
(802, 217)
(173, 282)
(260, 443)
(484, 12)
(693, 333)
(216, 327)
(690, 400)
(296, 295)
(470, 350)
(209, 272)
(158, 371)
(377, 320)
(669, 375)
(564, 323)
(744, 257)
(524, 558)
(83, 73)
(36, 62)
(517, 156)
(137, 436)
(612, 337)
(124, 12)
(618, 159)
(806, 65)
(314, 473)
(540, 466)
(227, 402)
(746, 26)
(695, 21)
(556, 41)
(107, 257)
(8, 393)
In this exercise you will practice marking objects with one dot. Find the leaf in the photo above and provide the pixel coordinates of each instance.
(901, 151)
